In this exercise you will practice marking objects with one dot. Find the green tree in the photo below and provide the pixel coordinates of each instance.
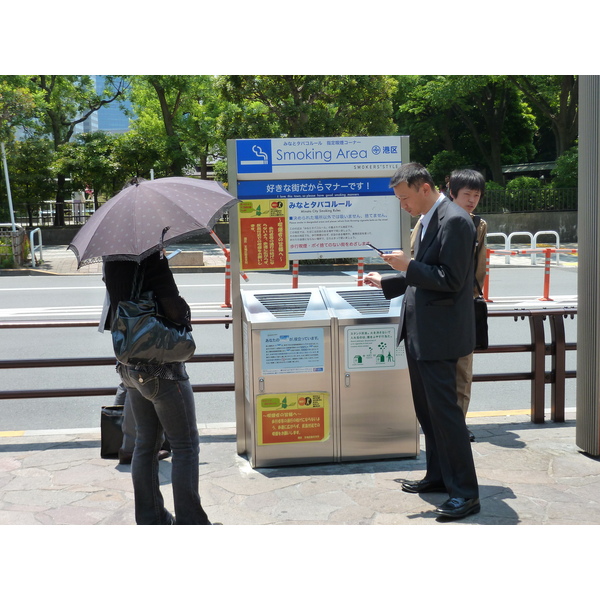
(32, 180)
(17, 106)
(489, 108)
(565, 174)
(68, 100)
(308, 105)
(90, 159)
(180, 112)
(137, 153)
(444, 163)
(556, 97)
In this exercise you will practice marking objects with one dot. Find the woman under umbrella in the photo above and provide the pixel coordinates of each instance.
(162, 401)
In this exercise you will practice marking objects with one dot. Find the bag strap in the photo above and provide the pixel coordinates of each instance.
(476, 221)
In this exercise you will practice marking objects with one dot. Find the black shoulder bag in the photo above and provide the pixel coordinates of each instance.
(481, 311)
(142, 336)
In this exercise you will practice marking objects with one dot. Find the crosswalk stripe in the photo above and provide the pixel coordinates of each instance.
(61, 311)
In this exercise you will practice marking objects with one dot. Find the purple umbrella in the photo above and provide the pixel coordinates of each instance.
(145, 216)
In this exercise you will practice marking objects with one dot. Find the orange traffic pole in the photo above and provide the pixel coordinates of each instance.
(546, 295)
(295, 264)
(361, 272)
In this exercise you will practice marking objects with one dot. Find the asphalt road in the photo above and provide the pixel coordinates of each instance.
(80, 298)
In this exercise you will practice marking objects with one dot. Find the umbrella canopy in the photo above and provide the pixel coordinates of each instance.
(147, 215)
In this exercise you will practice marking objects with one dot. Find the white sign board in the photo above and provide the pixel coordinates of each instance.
(296, 157)
(341, 227)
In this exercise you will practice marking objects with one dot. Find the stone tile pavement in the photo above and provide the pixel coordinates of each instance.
(528, 475)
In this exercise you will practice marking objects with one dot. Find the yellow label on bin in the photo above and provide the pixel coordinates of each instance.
(292, 418)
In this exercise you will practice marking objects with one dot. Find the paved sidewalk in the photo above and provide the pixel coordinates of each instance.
(528, 475)
(59, 260)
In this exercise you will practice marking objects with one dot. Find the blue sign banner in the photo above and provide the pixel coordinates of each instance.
(314, 188)
(362, 156)
(254, 156)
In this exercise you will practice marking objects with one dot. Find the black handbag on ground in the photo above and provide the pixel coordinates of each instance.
(141, 336)
(111, 432)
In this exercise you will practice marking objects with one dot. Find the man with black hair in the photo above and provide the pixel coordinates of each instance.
(437, 324)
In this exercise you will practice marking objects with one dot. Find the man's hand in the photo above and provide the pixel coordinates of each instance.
(373, 279)
(397, 260)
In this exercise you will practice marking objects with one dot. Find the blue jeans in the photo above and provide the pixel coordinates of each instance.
(163, 406)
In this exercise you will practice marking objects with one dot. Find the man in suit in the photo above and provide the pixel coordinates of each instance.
(437, 325)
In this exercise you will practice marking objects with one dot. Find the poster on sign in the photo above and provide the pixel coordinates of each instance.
(263, 235)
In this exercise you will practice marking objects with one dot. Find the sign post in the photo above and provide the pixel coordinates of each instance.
(308, 198)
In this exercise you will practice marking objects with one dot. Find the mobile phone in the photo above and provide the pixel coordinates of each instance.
(381, 252)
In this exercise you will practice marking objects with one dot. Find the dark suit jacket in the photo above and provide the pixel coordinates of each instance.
(437, 311)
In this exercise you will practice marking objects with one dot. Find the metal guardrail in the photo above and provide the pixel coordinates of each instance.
(538, 348)
(95, 361)
(33, 247)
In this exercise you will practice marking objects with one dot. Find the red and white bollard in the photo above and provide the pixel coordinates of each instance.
(295, 265)
(546, 296)
(361, 272)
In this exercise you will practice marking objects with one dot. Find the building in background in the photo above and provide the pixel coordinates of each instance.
(111, 117)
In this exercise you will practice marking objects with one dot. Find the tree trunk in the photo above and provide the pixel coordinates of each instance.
(59, 213)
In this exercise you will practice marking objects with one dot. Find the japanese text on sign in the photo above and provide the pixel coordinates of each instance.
(293, 417)
(292, 351)
(263, 235)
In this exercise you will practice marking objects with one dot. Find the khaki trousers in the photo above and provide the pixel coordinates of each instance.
(464, 379)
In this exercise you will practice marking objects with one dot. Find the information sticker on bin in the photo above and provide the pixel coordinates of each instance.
(292, 418)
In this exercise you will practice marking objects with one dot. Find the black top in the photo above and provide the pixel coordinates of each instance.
(119, 278)
(157, 277)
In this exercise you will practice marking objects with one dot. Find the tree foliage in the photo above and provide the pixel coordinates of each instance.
(308, 105)
(180, 112)
(556, 97)
(481, 117)
(182, 123)
(65, 101)
(31, 177)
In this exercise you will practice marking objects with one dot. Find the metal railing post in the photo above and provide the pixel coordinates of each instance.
(33, 247)
(559, 362)
(538, 366)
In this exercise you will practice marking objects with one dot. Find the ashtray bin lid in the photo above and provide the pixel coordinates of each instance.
(356, 302)
(275, 305)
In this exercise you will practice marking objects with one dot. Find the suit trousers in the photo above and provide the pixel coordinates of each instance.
(447, 446)
(464, 379)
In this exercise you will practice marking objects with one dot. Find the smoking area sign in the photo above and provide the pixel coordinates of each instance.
(347, 155)
(293, 417)
(336, 192)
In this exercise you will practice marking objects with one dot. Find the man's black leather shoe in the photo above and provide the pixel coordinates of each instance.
(458, 508)
(422, 487)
